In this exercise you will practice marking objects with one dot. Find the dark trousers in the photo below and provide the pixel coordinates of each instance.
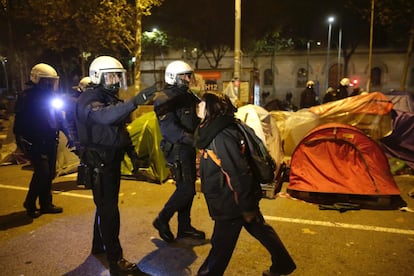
(43, 159)
(105, 188)
(224, 239)
(181, 201)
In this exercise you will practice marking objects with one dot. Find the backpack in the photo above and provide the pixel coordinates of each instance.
(262, 163)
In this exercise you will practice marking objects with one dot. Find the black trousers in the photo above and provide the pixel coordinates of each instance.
(43, 159)
(224, 239)
(181, 201)
(105, 189)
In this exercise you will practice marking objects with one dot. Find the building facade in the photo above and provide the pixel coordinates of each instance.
(271, 77)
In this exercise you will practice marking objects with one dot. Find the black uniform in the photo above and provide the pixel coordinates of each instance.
(176, 112)
(36, 127)
(100, 120)
(343, 91)
(70, 111)
(308, 98)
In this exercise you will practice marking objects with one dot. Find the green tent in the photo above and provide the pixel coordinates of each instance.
(146, 136)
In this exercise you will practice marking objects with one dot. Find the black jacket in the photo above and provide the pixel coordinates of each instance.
(36, 120)
(177, 117)
(308, 98)
(176, 113)
(241, 192)
(100, 119)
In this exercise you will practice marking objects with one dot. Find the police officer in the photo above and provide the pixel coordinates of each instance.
(343, 88)
(36, 127)
(100, 121)
(308, 96)
(175, 108)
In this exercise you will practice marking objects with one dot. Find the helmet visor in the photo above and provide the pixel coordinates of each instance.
(184, 79)
(114, 80)
(50, 84)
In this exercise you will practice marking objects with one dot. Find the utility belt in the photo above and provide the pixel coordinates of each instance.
(93, 162)
(178, 170)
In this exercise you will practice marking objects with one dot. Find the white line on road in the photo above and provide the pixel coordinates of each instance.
(56, 192)
(343, 225)
(292, 220)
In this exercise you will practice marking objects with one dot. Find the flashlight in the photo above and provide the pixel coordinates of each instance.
(57, 103)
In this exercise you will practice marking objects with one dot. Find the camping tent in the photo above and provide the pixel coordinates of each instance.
(265, 127)
(402, 101)
(66, 161)
(146, 136)
(400, 143)
(339, 163)
(368, 112)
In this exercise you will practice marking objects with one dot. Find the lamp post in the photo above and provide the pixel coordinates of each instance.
(331, 19)
(308, 51)
(237, 28)
(308, 44)
(339, 54)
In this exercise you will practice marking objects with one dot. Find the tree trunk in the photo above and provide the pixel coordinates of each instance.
(138, 51)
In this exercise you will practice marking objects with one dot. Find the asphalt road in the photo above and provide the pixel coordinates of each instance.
(361, 242)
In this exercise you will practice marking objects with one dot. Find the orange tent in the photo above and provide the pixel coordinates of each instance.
(339, 163)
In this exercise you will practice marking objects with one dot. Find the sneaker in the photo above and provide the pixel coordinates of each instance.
(31, 211)
(192, 233)
(124, 267)
(52, 209)
(163, 230)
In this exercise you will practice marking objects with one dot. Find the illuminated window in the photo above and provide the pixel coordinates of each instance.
(302, 77)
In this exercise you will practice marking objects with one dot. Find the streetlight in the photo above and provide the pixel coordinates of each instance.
(237, 28)
(331, 19)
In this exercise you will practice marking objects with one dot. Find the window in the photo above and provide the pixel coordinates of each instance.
(268, 77)
(376, 76)
(302, 77)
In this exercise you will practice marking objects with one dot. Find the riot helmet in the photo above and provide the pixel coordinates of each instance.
(108, 72)
(345, 82)
(310, 84)
(84, 83)
(45, 76)
(178, 73)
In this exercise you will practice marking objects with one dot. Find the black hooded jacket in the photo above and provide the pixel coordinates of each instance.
(232, 189)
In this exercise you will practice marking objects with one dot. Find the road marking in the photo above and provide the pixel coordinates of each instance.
(292, 220)
(55, 192)
(342, 225)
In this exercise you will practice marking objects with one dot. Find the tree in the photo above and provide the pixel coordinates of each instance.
(70, 31)
(203, 24)
(154, 43)
(396, 17)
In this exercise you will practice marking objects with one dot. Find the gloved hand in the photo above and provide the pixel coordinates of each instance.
(145, 95)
